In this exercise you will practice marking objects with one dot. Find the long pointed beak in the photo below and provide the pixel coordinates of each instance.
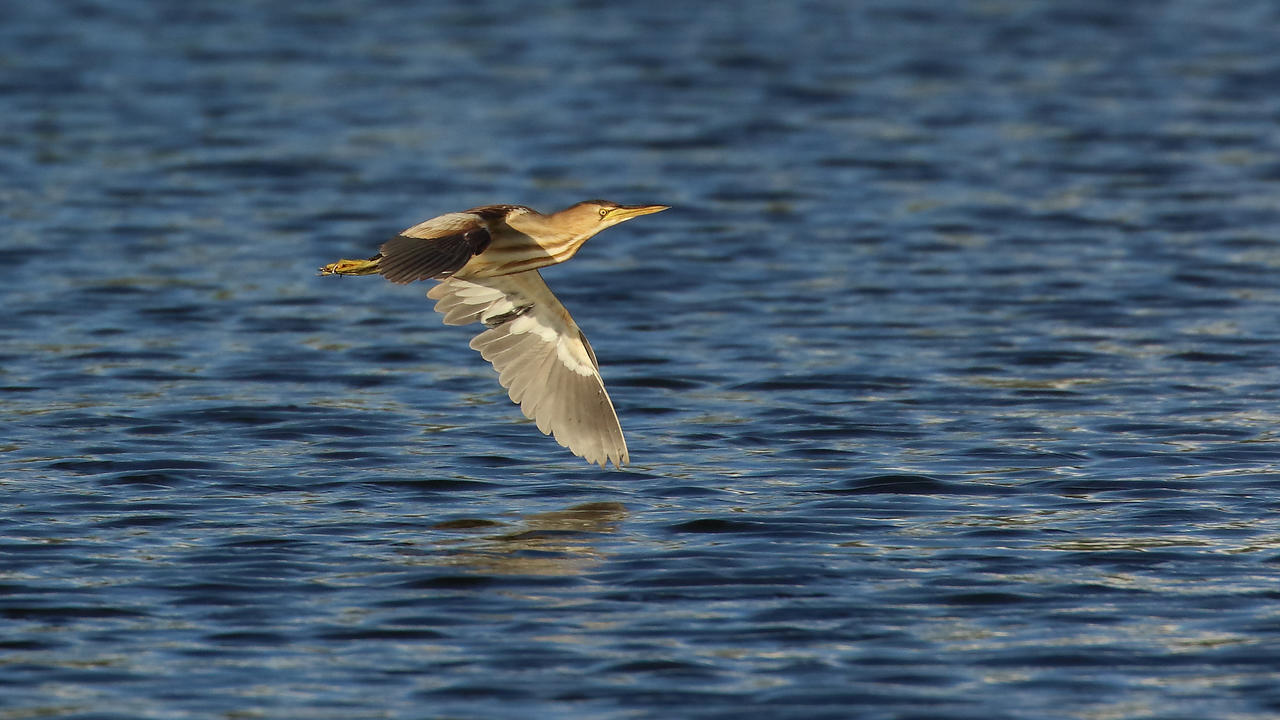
(626, 212)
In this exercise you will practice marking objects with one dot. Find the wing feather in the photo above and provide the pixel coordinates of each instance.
(542, 358)
(436, 248)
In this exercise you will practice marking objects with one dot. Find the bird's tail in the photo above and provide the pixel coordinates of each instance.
(352, 267)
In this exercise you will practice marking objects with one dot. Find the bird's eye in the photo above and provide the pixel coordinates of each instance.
(603, 212)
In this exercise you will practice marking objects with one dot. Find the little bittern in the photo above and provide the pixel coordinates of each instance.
(486, 261)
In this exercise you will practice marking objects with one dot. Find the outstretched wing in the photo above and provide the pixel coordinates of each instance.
(436, 248)
(542, 358)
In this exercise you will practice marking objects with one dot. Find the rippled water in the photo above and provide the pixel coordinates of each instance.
(950, 382)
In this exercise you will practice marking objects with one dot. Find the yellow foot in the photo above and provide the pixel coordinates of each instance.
(351, 267)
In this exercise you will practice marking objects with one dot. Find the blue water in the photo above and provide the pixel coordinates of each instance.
(950, 380)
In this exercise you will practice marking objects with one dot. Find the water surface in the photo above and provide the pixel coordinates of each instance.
(949, 381)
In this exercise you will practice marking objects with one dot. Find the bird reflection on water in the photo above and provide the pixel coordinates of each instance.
(558, 543)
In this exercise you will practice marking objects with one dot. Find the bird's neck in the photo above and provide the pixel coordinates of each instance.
(553, 230)
(528, 242)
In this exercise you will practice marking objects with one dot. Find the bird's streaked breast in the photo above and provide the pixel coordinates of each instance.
(511, 251)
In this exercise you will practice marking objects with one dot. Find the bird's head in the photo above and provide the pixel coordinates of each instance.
(592, 216)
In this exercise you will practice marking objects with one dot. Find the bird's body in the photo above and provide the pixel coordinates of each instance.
(486, 261)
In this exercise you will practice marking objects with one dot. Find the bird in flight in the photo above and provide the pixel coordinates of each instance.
(486, 262)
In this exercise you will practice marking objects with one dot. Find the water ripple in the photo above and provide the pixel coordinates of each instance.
(948, 380)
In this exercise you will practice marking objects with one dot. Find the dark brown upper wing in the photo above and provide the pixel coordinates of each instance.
(406, 258)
